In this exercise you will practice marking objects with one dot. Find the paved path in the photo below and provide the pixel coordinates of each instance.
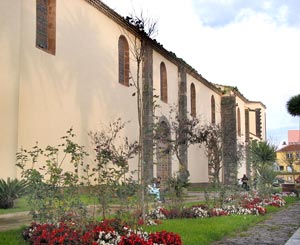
(276, 230)
(14, 220)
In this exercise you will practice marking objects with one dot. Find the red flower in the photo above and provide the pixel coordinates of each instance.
(165, 237)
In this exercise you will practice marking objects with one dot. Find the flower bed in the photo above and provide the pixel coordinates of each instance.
(115, 232)
(108, 232)
(244, 204)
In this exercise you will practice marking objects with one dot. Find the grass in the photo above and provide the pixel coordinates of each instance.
(207, 230)
(20, 206)
(12, 237)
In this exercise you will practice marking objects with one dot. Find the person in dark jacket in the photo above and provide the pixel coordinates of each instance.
(245, 182)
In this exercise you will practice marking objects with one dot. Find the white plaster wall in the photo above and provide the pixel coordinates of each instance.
(241, 138)
(172, 79)
(203, 100)
(10, 17)
(198, 163)
(163, 108)
(78, 87)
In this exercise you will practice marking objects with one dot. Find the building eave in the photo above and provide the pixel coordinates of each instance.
(103, 8)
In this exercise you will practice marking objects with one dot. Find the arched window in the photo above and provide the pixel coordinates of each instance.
(123, 61)
(193, 100)
(163, 83)
(163, 152)
(213, 110)
(239, 122)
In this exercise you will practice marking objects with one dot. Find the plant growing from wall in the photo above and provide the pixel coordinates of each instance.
(10, 190)
(110, 174)
(53, 191)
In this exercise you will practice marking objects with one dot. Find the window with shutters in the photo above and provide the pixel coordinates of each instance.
(123, 61)
(258, 123)
(163, 83)
(46, 25)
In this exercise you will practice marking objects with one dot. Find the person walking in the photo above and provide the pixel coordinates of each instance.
(245, 182)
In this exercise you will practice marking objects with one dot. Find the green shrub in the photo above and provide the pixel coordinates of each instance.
(54, 191)
(10, 190)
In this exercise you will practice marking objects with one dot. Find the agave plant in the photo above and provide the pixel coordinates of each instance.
(10, 190)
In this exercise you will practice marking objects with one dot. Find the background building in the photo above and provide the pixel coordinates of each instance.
(288, 158)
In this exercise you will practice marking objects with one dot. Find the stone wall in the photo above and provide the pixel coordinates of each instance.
(182, 108)
(247, 141)
(147, 128)
(228, 114)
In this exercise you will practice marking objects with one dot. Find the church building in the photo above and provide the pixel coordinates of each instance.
(71, 64)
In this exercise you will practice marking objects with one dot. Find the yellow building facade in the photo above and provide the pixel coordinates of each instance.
(288, 162)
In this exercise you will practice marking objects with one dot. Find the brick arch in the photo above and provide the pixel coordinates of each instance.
(123, 48)
(163, 83)
(163, 153)
(193, 100)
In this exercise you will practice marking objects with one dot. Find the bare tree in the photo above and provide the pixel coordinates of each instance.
(145, 30)
(213, 142)
(111, 162)
(184, 131)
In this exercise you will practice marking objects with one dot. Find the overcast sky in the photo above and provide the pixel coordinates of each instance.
(251, 44)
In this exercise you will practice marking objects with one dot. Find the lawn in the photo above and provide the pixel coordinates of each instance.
(12, 237)
(20, 206)
(204, 231)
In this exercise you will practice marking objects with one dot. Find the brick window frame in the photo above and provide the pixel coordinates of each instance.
(163, 83)
(193, 100)
(213, 109)
(46, 25)
(123, 49)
